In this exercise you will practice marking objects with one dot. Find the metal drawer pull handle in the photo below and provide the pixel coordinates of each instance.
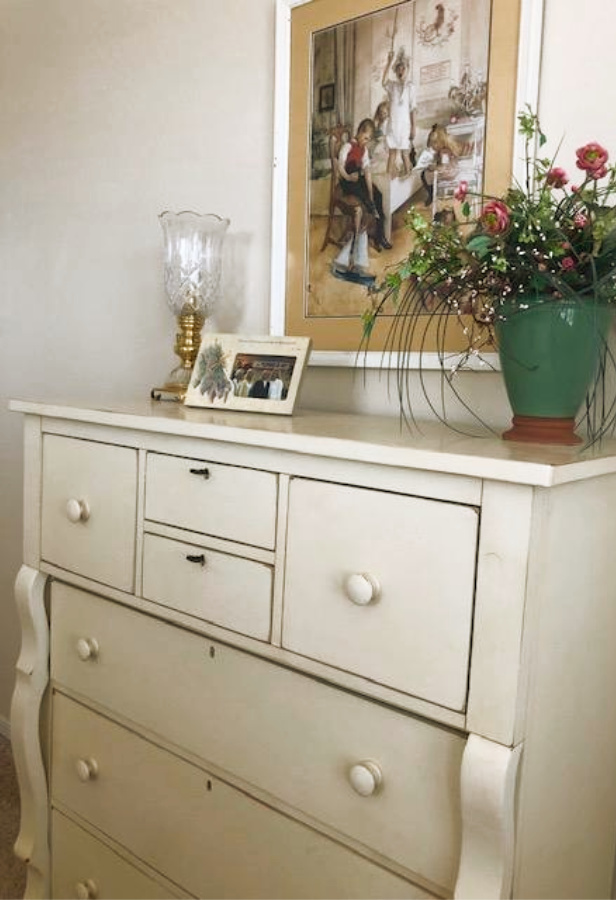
(87, 769)
(362, 588)
(197, 559)
(366, 777)
(86, 890)
(77, 510)
(205, 473)
(87, 649)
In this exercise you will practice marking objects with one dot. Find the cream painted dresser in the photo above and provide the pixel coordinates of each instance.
(312, 657)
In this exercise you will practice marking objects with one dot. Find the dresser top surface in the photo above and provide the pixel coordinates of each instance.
(365, 438)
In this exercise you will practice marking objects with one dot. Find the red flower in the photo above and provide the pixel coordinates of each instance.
(556, 177)
(591, 158)
(494, 217)
(567, 263)
(461, 191)
(580, 220)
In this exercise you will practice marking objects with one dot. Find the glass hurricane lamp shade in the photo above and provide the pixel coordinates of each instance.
(193, 245)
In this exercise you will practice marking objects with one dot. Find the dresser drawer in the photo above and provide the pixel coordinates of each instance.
(89, 509)
(382, 585)
(218, 587)
(212, 839)
(82, 863)
(283, 732)
(225, 501)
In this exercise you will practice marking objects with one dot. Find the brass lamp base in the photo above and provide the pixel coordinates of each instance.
(176, 392)
(187, 343)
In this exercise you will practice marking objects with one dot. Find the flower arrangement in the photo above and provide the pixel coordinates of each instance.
(543, 242)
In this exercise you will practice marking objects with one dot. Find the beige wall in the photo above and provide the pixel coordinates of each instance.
(114, 110)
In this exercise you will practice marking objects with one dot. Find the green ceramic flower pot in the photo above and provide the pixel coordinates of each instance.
(549, 357)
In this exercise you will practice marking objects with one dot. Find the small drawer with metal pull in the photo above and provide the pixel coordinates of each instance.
(227, 590)
(89, 509)
(228, 502)
(382, 585)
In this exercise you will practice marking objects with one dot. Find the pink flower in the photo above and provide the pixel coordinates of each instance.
(591, 158)
(567, 263)
(599, 173)
(461, 191)
(495, 217)
(556, 177)
(580, 220)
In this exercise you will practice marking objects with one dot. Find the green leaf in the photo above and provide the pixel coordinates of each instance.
(480, 245)
(368, 319)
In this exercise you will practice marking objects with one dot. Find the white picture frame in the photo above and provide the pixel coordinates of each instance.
(527, 92)
(248, 374)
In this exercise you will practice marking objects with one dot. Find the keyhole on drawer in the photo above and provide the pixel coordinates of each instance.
(212, 652)
(209, 785)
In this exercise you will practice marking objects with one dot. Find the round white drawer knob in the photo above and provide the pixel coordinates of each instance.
(87, 648)
(366, 777)
(362, 588)
(87, 769)
(86, 890)
(77, 510)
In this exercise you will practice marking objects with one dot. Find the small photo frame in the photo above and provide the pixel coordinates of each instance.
(253, 374)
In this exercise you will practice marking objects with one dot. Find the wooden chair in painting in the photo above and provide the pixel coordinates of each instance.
(342, 210)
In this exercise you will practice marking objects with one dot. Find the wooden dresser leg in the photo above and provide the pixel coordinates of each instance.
(488, 819)
(32, 676)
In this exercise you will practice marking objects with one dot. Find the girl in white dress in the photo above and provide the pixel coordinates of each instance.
(400, 128)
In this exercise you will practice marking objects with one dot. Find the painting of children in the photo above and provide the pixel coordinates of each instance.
(391, 75)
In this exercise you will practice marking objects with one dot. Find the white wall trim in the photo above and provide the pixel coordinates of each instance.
(5, 728)
(529, 74)
(377, 359)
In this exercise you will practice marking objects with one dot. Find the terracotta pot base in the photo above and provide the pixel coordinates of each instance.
(542, 430)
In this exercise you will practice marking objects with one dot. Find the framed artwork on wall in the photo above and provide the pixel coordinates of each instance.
(327, 93)
(380, 106)
(251, 374)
